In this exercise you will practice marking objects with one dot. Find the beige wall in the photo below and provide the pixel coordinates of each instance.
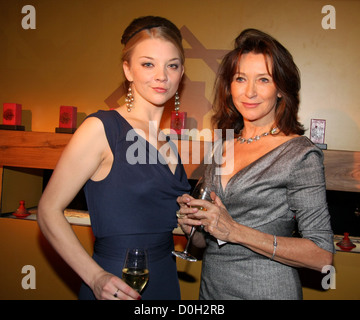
(73, 56)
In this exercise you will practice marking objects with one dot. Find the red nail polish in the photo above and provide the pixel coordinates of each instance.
(139, 298)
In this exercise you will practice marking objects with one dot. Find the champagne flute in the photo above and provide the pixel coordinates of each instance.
(135, 272)
(201, 191)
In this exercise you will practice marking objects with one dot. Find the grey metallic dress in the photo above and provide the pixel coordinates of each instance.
(283, 188)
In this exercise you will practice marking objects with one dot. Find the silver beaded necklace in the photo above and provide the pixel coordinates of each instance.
(256, 138)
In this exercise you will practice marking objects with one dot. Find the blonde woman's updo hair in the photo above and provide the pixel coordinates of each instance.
(150, 27)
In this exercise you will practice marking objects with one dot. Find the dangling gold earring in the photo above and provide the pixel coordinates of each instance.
(177, 103)
(129, 99)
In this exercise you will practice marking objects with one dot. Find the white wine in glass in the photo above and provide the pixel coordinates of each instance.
(135, 272)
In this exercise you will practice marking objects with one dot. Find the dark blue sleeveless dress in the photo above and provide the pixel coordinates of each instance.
(135, 206)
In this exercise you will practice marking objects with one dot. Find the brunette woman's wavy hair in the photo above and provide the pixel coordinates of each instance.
(284, 73)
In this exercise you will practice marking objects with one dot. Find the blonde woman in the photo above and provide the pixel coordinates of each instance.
(131, 203)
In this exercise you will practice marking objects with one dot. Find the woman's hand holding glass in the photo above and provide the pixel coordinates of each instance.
(215, 219)
(202, 191)
(135, 275)
(186, 212)
(110, 287)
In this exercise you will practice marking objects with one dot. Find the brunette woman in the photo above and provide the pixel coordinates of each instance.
(276, 185)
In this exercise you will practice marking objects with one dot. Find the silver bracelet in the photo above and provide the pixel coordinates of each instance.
(275, 245)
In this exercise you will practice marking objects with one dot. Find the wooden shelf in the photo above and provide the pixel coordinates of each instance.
(31, 149)
(43, 149)
(342, 170)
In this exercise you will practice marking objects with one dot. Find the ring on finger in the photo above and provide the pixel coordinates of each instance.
(179, 215)
(115, 294)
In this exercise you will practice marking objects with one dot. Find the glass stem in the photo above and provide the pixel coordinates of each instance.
(189, 240)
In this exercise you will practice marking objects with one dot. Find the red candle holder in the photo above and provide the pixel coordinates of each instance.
(67, 119)
(178, 121)
(12, 114)
(12, 117)
(346, 244)
(21, 212)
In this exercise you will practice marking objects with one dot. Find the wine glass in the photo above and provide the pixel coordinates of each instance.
(201, 191)
(135, 272)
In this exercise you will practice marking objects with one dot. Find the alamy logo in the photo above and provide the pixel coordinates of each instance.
(212, 151)
(328, 21)
(28, 21)
(29, 281)
(329, 281)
